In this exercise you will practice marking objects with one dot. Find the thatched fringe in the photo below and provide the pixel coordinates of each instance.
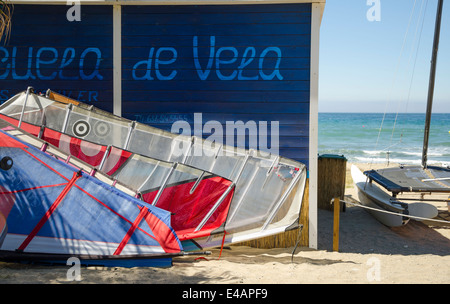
(331, 181)
(6, 11)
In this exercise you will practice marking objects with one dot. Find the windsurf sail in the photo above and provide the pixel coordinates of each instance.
(188, 193)
(56, 209)
(268, 189)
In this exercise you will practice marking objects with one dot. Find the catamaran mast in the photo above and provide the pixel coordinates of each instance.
(437, 31)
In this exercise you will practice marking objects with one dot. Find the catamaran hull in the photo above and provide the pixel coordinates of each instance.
(371, 196)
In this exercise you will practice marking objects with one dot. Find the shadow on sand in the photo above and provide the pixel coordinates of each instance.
(361, 233)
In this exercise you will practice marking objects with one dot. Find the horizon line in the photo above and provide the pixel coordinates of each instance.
(364, 112)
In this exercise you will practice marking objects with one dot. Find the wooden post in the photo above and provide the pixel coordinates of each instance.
(337, 208)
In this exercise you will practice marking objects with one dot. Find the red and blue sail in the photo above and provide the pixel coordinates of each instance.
(53, 208)
(188, 207)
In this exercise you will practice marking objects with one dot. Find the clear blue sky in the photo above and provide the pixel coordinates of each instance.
(368, 66)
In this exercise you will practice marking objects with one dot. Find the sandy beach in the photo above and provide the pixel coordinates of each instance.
(368, 253)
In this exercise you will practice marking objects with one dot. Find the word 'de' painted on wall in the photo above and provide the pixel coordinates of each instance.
(227, 63)
(49, 63)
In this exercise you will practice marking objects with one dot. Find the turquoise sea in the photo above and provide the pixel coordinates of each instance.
(382, 138)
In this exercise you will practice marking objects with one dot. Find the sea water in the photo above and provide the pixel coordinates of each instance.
(384, 138)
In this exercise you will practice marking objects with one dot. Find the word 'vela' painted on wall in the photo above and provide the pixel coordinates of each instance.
(228, 63)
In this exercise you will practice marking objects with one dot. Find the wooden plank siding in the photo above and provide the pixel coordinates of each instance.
(228, 62)
(45, 51)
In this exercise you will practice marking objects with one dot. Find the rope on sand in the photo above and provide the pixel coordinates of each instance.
(395, 213)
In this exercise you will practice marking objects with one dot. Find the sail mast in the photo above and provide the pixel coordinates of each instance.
(437, 31)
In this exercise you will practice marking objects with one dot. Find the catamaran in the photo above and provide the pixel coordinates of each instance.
(407, 179)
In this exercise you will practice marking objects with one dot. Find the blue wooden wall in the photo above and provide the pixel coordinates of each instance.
(45, 51)
(228, 62)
